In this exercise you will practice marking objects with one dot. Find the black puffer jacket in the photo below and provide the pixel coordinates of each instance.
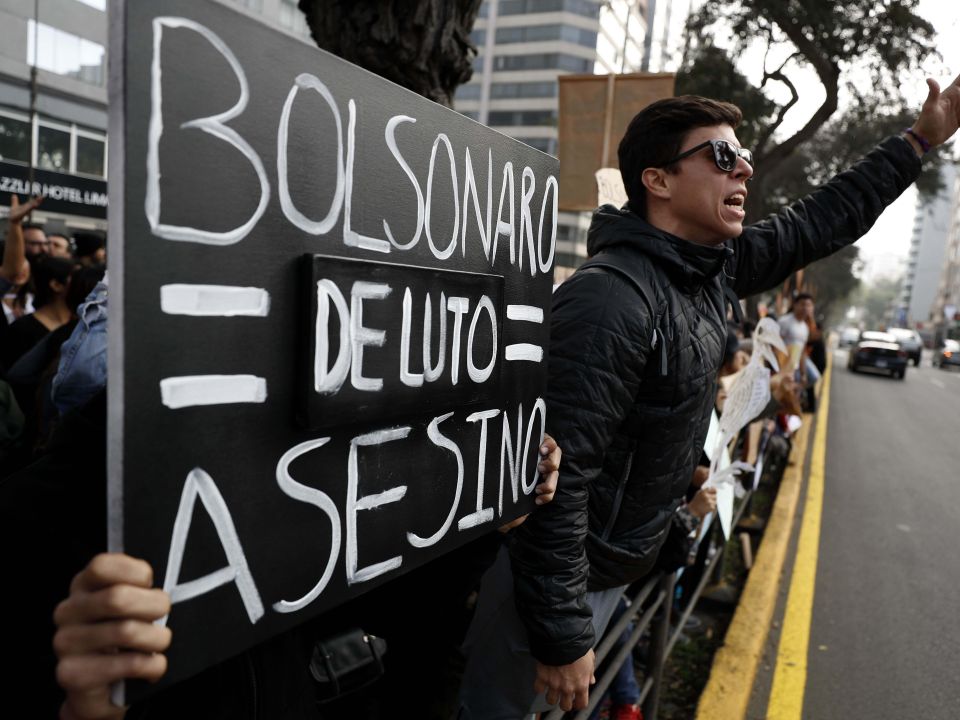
(633, 380)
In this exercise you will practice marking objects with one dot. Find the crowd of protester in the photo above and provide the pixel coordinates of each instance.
(45, 280)
(641, 355)
(53, 344)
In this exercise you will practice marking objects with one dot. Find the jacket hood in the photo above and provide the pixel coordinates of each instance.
(689, 265)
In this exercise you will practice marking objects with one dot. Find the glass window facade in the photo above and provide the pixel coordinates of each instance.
(63, 53)
(14, 139)
(53, 149)
(538, 33)
(59, 147)
(523, 90)
(579, 7)
(90, 156)
(523, 117)
(468, 92)
(543, 61)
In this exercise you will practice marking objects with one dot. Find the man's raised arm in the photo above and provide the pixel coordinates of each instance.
(844, 209)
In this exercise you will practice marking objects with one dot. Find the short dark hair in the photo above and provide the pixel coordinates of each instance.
(87, 243)
(45, 269)
(656, 134)
(802, 296)
(32, 226)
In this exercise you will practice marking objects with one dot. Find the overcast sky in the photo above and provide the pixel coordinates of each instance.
(884, 249)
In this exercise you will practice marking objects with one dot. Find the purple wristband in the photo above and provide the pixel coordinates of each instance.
(923, 142)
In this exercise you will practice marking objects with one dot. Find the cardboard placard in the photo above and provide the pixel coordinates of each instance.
(594, 112)
(329, 307)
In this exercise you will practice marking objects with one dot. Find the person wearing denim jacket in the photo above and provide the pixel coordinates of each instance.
(83, 358)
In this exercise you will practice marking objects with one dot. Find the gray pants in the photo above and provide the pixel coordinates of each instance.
(500, 671)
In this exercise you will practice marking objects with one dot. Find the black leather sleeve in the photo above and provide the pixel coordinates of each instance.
(600, 337)
(835, 215)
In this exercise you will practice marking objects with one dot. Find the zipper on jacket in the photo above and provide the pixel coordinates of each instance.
(618, 499)
(658, 337)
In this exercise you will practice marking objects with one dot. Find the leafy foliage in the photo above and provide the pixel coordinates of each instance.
(884, 40)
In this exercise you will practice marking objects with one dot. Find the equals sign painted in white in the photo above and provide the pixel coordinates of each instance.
(524, 351)
(213, 301)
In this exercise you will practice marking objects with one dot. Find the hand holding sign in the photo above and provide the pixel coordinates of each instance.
(105, 633)
(352, 376)
(549, 468)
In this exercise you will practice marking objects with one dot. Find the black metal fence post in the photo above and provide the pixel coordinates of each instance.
(659, 634)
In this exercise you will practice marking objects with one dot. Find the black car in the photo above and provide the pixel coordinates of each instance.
(879, 351)
(910, 342)
(948, 354)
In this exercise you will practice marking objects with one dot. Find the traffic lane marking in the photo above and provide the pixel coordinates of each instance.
(790, 674)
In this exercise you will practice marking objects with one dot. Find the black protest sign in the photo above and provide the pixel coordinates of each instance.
(328, 322)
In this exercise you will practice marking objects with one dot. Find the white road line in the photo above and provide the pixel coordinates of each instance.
(938, 383)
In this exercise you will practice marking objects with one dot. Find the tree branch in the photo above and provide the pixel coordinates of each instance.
(795, 96)
(829, 74)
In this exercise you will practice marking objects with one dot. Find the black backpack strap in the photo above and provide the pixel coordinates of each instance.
(730, 295)
(734, 302)
(623, 267)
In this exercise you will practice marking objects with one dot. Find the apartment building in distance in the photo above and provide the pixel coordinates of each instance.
(53, 87)
(525, 45)
(928, 247)
(945, 308)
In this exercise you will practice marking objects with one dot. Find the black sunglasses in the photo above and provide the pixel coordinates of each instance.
(725, 154)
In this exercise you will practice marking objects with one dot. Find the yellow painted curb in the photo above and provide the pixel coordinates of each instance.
(727, 693)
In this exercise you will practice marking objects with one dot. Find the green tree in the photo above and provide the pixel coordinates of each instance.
(876, 300)
(884, 38)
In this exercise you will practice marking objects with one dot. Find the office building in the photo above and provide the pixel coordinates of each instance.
(928, 245)
(525, 45)
(945, 309)
(53, 103)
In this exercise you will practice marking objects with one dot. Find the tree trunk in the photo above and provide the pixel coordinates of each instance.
(424, 46)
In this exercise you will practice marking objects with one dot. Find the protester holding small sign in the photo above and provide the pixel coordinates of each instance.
(637, 336)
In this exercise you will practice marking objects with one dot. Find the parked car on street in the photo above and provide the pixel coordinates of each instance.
(948, 354)
(910, 342)
(849, 336)
(879, 351)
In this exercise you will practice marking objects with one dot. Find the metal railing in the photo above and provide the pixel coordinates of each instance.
(655, 615)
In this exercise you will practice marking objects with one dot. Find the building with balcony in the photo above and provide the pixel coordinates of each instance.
(945, 307)
(928, 246)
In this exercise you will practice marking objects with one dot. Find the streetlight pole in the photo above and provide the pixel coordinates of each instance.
(33, 94)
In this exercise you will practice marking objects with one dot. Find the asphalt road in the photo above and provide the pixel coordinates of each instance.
(885, 634)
